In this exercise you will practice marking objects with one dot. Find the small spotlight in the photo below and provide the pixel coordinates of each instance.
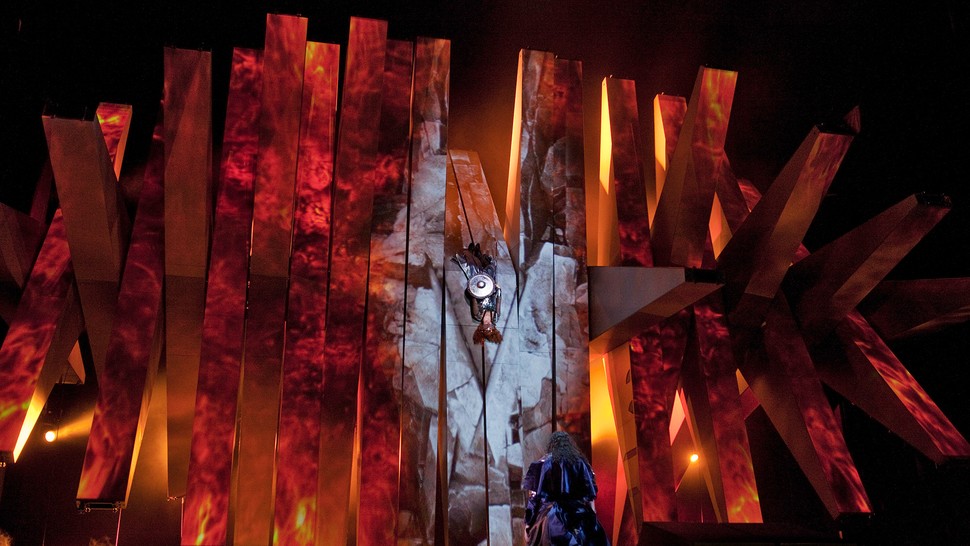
(50, 435)
(694, 457)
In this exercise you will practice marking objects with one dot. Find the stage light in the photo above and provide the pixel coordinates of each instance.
(50, 435)
(694, 457)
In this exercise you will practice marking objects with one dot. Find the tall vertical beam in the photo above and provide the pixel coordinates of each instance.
(354, 173)
(421, 415)
(298, 443)
(679, 229)
(126, 384)
(20, 239)
(38, 340)
(96, 221)
(668, 117)
(205, 516)
(380, 402)
(485, 447)
(115, 120)
(187, 112)
(279, 131)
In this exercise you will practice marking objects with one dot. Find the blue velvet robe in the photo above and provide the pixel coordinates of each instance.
(559, 511)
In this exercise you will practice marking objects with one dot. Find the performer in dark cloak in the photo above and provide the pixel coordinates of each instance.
(562, 487)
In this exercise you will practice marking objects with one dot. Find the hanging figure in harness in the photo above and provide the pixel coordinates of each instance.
(482, 292)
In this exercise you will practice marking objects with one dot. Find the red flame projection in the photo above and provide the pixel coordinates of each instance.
(205, 517)
(298, 448)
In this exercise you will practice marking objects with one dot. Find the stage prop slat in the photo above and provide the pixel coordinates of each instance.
(127, 381)
(422, 416)
(187, 113)
(680, 225)
(668, 117)
(485, 458)
(712, 392)
(95, 220)
(258, 410)
(354, 174)
(38, 340)
(898, 309)
(759, 253)
(298, 440)
(825, 286)
(871, 376)
(789, 389)
(115, 120)
(380, 381)
(205, 517)
(20, 240)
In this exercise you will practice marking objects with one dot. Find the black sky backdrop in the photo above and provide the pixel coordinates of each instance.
(799, 64)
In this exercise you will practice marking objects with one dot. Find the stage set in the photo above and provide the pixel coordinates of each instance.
(257, 335)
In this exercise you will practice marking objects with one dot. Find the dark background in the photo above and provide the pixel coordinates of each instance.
(799, 64)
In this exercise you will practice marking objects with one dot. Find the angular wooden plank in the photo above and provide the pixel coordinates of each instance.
(115, 120)
(866, 371)
(825, 286)
(279, 131)
(679, 229)
(37, 340)
(712, 394)
(898, 309)
(187, 112)
(759, 253)
(354, 173)
(298, 444)
(421, 384)
(205, 516)
(381, 367)
(96, 221)
(789, 388)
(126, 384)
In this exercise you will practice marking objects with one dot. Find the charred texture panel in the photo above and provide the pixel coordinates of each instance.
(755, 260)
(354, 174)
(96, 221)
(187, 113)
(825, 286)
(279, 131)
(421, 415)
(20, 240)
(298, 443)
(679, 232)
(44, 327)
(789, 389)
(668, 118)
(126, 383)
(870, 375)
(205, 516)
(712, 393)
(380, 403)
(485, 430)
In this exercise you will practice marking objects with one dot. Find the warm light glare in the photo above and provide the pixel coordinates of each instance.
(694, 457)
(50, 436)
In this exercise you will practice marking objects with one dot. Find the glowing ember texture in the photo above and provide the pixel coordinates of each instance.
(115, 120)
(355, 174)
(125, 386)
(380, 430)
(258, 410)
(206, 511)
(48, 306)
(298, 447)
